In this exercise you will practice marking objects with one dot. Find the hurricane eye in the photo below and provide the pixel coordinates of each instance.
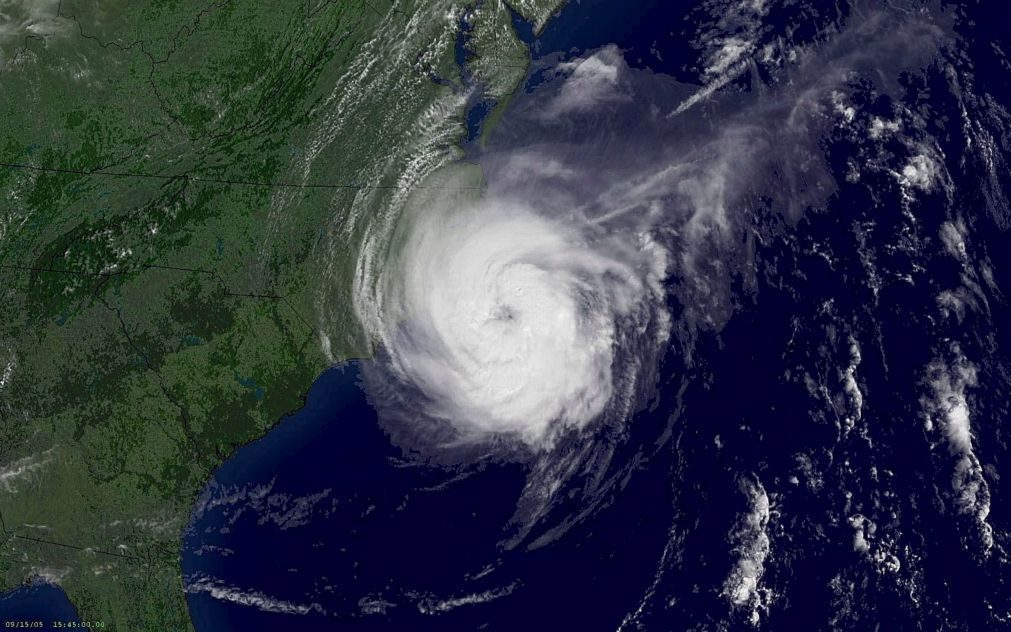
(504, 313)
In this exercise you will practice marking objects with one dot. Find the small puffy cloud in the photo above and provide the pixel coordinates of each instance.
(920, 172)
(743, 586)
(949, 403)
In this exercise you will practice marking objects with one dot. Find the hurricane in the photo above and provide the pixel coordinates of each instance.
(508, 321)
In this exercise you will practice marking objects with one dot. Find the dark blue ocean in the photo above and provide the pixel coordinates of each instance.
(39, 606)
(401, 534)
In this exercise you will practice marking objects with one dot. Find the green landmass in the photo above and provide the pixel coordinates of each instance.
(187, 186)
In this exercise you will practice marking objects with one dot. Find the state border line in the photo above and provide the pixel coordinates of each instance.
(135, 558)
(224, 181)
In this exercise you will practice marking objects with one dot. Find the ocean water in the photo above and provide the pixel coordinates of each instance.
(39, 604)
(388, 543)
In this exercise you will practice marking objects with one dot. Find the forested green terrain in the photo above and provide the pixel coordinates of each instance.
(184, 188)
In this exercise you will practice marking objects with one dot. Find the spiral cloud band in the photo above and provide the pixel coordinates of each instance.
(506, 320)
(534, 306)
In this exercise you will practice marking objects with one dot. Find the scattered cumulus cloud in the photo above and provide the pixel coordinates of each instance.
(743, 587)
(222, 591)
(24, 469)
(947, 411)
(285, 511)
(431, 605)
(22, 18)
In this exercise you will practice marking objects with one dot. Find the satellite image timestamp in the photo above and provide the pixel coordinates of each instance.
(505, 315)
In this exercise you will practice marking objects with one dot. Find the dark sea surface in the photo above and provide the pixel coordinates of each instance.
(400, 541)
(29, 606)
